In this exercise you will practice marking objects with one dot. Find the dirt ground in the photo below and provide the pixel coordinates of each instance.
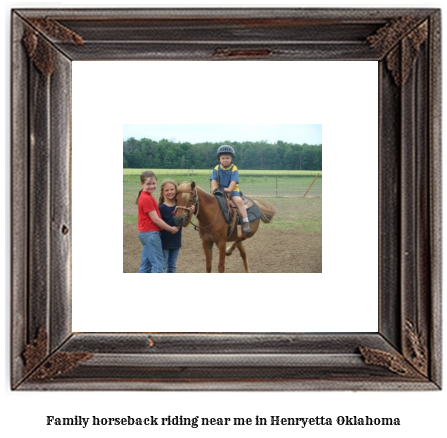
(268, 251)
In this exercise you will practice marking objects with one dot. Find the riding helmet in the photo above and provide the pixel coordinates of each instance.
(225, 149)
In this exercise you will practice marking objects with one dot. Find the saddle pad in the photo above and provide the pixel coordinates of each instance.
(253, 211)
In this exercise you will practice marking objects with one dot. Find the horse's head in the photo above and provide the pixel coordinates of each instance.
(186, 199)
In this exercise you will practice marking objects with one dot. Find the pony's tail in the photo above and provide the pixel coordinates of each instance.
(267, 210)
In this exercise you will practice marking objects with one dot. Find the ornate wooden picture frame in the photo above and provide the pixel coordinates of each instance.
(405, 353)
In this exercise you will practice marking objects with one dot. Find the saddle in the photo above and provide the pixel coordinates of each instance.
(231, 213)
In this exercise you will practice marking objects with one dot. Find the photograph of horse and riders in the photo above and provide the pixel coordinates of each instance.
(222, 198)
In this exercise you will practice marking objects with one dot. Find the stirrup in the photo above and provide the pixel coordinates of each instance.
(245, 227)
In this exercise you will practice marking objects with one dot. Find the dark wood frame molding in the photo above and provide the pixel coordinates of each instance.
(405, 354)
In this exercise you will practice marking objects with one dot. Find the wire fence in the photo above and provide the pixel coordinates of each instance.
(285, 185)
(282, 186)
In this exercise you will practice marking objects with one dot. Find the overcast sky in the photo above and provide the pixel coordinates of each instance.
(310, 134)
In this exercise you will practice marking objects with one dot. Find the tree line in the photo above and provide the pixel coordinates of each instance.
(165, 154)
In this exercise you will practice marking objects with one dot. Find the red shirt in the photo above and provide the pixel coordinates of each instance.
(147, 203)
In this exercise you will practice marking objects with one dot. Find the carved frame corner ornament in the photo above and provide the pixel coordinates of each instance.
(396, 363)
(405, 353)
(400, 59)
(413, 363)
(416, 349)
(39, 49)
(41, 366)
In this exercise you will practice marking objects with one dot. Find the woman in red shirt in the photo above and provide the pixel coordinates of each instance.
(150, 225)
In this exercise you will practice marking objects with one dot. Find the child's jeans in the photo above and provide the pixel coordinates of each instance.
(152, 260)
(170, 257)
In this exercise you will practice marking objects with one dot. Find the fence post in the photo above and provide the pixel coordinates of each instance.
(276, 186)
(311, 184)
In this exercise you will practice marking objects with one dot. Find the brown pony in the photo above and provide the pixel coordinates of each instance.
(211, 224)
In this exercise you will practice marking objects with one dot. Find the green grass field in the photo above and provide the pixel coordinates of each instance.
(284, 189)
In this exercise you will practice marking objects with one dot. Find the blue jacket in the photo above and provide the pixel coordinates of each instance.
(224, 176)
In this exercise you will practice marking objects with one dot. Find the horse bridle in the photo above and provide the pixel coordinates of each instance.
(195, 203)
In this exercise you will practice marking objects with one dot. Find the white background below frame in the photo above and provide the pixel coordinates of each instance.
(342, 96)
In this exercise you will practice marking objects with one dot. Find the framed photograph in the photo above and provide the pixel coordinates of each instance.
(403, 354)
(278, 168)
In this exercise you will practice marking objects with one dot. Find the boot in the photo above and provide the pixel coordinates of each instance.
(245, 227)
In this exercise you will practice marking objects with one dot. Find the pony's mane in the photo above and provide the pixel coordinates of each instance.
(186, 186)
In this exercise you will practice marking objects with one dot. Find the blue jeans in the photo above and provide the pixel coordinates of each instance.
(152, 260)
(170, 256)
